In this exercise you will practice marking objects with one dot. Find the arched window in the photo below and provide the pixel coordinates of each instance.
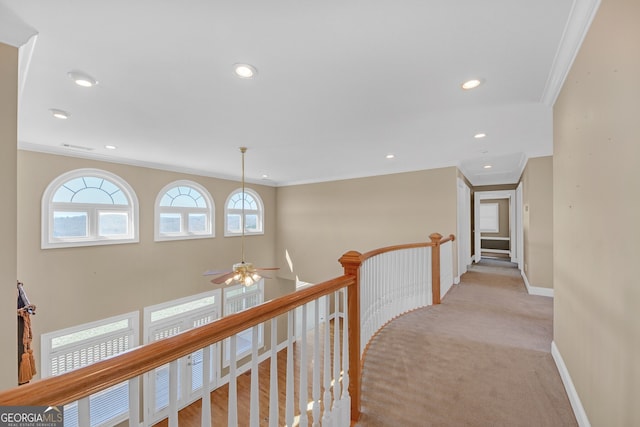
(86, 207)
(253, 213)
(184, 210)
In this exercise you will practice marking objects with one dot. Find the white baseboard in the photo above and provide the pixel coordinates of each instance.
(456, 280)
(536, 290)
(574, 399)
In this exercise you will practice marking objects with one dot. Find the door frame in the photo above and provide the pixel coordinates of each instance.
(463, 228)
(513, 232)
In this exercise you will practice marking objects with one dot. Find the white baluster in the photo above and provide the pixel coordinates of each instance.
(173, 393)
(316, 365)
(290, 374)
(273, 381)
(84, 415)
(336, 358)
(345, 410)
(326, 369)
(254, 414)
(205, 420)
(232, 408)
(303, 392)
(134, 402)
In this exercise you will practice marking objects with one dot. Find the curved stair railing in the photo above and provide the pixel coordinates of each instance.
(376, 287)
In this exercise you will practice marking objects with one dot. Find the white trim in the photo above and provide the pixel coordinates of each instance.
(536, 290)
(519, 248)
(209, 211)
(510, 195)
(572, 393)
(47, 241)
(456, 280)
(13, 30)
(259, 212)
(83, 154)
(580, 18)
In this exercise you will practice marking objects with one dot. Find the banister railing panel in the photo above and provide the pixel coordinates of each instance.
(446, 267)
(376, 287)
(392, 283)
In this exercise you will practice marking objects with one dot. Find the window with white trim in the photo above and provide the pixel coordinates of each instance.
(489, 217)
(166, 320)
(236, 299)
(184, 210)
(72, 348)
(253, 219)
(86, 207)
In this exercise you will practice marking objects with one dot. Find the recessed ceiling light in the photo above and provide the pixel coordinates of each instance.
(390, 156)
(82, 79)
(265, 176)
(471, 84)
(245, 71)
(487, 166)
(110, 147)
(60, 114)
(479, 135)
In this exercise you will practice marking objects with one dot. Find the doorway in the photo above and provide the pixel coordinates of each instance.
(496, 227)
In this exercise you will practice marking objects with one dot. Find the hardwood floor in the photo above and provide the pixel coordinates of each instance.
(190, 416)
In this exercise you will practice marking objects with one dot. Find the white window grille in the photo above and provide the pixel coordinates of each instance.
(168, 319)
(253, 220)
(236, 299)
(184, 210)
(72, 348)
(87, 207)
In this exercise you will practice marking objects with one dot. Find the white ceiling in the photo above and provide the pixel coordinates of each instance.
(340, 84)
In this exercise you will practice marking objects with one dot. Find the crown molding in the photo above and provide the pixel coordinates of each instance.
(580, 18)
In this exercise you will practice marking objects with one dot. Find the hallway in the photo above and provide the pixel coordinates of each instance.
(481, 358)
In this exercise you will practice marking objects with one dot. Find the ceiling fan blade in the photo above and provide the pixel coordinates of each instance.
(267, 268)
(212, 272)
(221, 279)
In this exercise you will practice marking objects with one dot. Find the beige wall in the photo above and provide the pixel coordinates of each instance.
(72, 286)
(596, 218)
(8, 144)
(537, 221)
(318, 223)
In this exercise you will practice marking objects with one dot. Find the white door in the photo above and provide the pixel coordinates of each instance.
(166, 320)
(464, 228)
(519, 228)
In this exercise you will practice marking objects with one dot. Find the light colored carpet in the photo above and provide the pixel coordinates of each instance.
(481, 358)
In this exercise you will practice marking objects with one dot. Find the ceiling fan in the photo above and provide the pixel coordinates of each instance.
(243, 272)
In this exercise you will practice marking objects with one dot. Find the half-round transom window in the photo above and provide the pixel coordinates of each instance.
(184, 210)
(88, 207)
(253, 213)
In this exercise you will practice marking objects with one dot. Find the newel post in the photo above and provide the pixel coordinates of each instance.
(435, 267)
(351, 262)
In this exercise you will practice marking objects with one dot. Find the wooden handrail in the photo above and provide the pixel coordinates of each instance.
(379, 251)
(79, 383)
(74, 385)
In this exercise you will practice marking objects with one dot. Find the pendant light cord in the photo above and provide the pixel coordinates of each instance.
(243, 150)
